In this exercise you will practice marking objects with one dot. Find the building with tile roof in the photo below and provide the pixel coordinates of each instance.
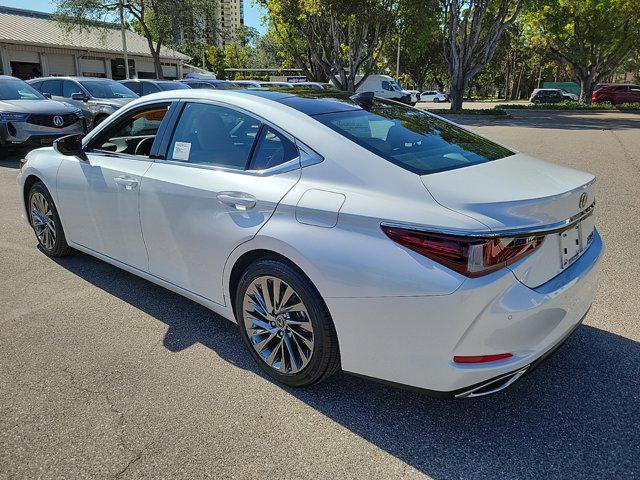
(34, 44)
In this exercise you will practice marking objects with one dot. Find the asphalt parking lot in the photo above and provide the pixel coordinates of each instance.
(104, 375)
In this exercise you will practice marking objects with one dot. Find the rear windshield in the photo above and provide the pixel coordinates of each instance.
(413, 139)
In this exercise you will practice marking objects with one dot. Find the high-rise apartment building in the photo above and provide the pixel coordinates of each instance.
(230, 15)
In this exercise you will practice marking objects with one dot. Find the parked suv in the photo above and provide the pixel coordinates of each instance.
(27, 118)
(616, 93)
(145, 86)
(96, 97)
(547, 95)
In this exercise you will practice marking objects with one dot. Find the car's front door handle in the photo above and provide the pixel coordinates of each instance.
(127, 182)
(238, 200)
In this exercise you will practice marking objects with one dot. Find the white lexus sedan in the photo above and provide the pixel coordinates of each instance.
(338, 232)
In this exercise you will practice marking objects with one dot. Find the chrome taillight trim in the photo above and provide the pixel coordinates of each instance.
(507, 232)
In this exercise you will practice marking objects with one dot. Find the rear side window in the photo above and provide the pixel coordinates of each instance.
(148, 88)
(272, 149)
(213, 135)
(413, 139)
(52, 87)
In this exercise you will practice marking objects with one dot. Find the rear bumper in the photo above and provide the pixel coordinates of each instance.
(411, 341)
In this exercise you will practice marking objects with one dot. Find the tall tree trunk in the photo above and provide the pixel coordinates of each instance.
(456, 93)
(586, 87)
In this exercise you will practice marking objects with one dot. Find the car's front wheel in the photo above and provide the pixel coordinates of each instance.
(285, 324)
(45, 221)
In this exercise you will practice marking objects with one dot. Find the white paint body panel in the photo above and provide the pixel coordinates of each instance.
(399, 316)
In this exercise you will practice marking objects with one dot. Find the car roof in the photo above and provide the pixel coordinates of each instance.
(309, 102)
(69, 77)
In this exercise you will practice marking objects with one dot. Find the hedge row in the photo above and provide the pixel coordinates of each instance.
(571, 105)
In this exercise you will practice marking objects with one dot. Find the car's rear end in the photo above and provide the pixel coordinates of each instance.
(526, 271)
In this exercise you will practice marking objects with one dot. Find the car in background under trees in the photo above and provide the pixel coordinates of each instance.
(617, 93)
(433, 96)
(547, 95)
(96, 97)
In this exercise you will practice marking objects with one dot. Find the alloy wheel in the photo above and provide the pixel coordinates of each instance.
(278, 325)
(43, 221)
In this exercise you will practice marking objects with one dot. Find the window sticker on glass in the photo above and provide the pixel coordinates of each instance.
(181, 151)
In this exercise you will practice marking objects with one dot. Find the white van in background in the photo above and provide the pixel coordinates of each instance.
(384, 86)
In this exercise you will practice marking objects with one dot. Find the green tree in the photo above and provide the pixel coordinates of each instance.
(472, 29)
(332, 38)
(594, 37)
(419, 31)
(156, 20)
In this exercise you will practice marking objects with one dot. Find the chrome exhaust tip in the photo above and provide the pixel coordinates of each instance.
(494, 385)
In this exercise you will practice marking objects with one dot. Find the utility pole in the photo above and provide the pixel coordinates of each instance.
(398, 59)
(124, 40)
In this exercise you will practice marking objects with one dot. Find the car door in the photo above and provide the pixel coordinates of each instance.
(98, 194)
(634, 94)
(204, 199)
(69, 88)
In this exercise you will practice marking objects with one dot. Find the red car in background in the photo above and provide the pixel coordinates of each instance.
(617, 93)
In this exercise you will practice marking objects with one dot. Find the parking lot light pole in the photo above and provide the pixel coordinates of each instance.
(124, 41)
(398, 60)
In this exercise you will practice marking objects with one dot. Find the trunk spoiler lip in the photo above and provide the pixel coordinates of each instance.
(538, 230)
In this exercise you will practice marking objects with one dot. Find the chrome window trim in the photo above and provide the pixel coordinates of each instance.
(306, 155)
(507, 232)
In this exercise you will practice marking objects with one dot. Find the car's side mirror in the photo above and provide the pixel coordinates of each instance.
(79, 96)
(70, 145)
(47, 95)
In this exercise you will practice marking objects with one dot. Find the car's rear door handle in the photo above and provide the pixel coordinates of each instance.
(238, 200)
(127, 182)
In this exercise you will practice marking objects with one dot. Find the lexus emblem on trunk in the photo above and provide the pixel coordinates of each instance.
(583, 200)
(58, 122)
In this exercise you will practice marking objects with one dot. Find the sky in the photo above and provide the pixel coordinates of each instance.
(252, 13)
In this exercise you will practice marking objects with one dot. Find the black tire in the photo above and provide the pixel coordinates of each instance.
(59, 246)
(436, 100)
(325, 358)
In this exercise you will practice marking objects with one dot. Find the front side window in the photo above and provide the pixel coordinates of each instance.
(413, 139)
(69, 88)
(135, 134)
(213, 135)
(272, 149)
(107, 89)
(15, 89)
(52, 87)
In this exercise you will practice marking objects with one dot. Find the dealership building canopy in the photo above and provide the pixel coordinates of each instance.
(33, 44)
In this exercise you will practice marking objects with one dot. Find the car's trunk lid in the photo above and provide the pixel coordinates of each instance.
(521, 192)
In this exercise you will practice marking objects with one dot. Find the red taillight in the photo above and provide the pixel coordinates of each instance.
(22, 162)
(470, 256)
(481, 358)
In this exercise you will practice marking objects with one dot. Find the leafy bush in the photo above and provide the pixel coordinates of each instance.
(469, 111)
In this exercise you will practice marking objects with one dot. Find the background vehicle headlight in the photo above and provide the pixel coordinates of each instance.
(13, 117)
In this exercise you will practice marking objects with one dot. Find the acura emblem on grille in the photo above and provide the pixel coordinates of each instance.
(58, 121)
(583, 200)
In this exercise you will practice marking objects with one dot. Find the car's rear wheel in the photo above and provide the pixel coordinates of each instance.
(45, 222)
(436, 100)
(285, 324)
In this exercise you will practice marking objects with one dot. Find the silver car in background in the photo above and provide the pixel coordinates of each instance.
(96, 97)
(28, 119)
